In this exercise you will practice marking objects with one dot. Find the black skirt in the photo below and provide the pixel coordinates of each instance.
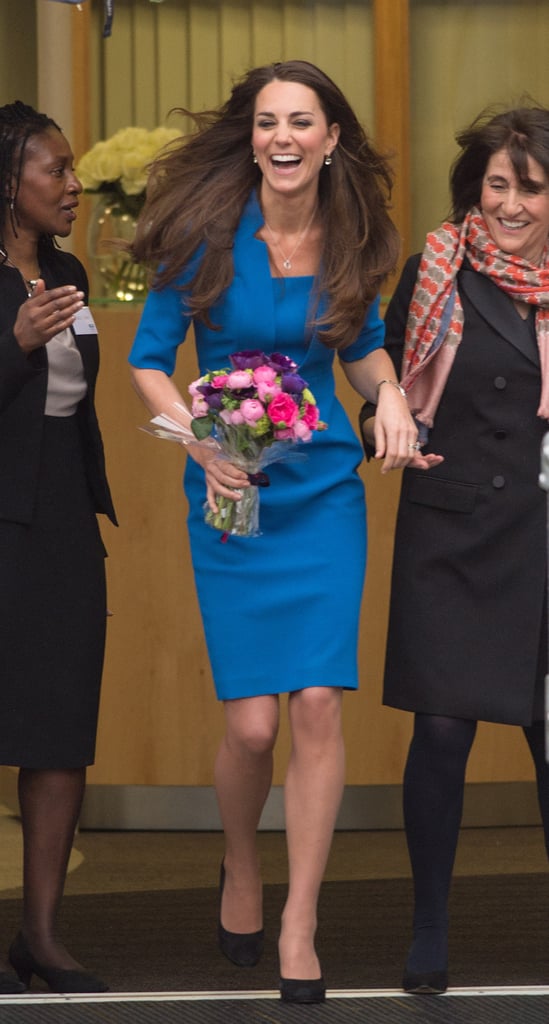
(52, 615)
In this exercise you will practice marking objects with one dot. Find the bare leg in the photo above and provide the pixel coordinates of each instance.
(50, 804)
(243, 774)
(314, 787)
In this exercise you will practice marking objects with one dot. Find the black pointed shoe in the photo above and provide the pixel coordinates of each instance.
(296, 990)
(242, 948)
(57, 979)
(425, 983)
(10, 984)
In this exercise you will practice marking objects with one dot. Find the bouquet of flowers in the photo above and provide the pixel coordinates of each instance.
(252, 412)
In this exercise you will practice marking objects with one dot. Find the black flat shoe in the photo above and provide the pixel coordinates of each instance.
(242, 948)
(426, 983)
(10, 984)
(57, 979)
(294, 990)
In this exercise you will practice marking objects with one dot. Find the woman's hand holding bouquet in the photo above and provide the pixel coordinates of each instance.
(251, 412)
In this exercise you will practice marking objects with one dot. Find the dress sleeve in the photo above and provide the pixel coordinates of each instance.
(162, 329)
(370, 337)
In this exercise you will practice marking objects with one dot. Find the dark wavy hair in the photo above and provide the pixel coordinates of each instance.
(18, 123)
(522, 131)
(198, 188)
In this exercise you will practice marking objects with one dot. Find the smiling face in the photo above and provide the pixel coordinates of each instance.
(516, 214)
(48, 191)
(291, 137)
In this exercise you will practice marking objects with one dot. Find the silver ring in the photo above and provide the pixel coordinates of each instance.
(416, 445)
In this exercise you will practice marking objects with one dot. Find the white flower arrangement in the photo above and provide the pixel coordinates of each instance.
(121, 164)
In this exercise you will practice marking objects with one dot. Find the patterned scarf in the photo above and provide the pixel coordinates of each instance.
(435, 316)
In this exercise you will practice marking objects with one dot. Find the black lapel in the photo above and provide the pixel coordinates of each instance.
(496, 308)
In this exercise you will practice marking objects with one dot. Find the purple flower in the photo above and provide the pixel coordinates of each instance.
(283, 364)
(293, 383)
(248, 359)
(215, 400)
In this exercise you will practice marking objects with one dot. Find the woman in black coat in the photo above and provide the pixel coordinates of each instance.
(52, 570)
(467, 641)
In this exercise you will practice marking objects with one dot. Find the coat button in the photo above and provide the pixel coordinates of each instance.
(498, 482)
(500, 383)
(500, 435)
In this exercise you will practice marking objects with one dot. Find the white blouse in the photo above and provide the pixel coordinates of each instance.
(66, 382)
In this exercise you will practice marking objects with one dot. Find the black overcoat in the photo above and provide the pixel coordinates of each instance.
(23, 386)
(468, 618)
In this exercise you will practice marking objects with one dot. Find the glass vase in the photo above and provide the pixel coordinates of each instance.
(114, 275)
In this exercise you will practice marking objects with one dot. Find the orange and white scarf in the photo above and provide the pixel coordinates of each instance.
(435, 316)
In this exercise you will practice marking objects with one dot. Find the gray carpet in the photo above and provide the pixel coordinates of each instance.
(165, 941)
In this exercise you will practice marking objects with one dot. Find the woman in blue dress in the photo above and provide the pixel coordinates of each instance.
(268, 229)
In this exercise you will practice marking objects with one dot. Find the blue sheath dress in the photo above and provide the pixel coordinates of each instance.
(281, 610)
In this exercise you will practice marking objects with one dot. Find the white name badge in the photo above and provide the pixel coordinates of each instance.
(84, 322)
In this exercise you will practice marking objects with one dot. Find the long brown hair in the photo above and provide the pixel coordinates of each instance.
(199, 186)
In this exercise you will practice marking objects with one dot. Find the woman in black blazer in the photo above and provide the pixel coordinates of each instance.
(52, 574)
(467, 641)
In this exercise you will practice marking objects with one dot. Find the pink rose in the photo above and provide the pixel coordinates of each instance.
(264, 375)
(219, 380)
(251, 410)
(200, 406)
(302, 431)
(311, 415)
(236, 417)
(196, 384)
(266, 392)
(282, 411)
(232, 416)
(238, 379)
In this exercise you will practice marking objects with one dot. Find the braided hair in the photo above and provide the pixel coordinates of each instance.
(18, 122)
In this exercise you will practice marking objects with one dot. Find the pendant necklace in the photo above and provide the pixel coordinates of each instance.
(287, 260)
(29, 282)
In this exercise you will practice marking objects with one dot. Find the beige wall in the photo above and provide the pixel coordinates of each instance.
(181, 53)
(466, 55)
(18, 51)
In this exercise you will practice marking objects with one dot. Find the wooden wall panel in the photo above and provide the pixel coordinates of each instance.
(466, 55)
(185, 53)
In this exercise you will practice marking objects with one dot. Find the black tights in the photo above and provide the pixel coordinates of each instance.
(50, 803)
(433, 802)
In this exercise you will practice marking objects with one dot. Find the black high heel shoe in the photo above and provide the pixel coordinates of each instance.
(425, 983)
(242, 948)
(294, 990)
(430, 947)
(57, 979)
(10, 984)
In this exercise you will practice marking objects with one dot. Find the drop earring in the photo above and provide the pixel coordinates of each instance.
(327, 160)
(254, 158)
